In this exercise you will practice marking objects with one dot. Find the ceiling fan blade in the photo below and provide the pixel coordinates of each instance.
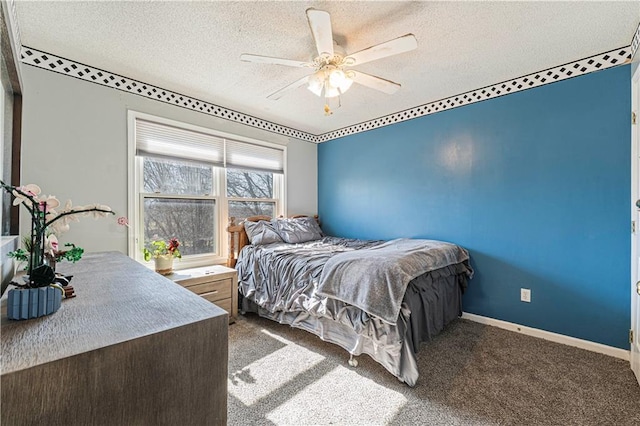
(377, 83)
(258, 59)
(320, 24)
(392, 47)
(296, 84)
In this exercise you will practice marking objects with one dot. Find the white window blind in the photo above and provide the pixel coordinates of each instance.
(243, 155)
(165, 141)
(161, 140)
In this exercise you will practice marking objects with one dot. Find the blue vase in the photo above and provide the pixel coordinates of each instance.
(32, 302)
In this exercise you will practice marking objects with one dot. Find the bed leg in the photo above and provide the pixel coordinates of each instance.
(352, 361)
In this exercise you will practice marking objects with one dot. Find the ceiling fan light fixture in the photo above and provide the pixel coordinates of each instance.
(317, 82)
(330, 79)
(336, 77)
(329, 83)
(330, 91)
(340, 80)
(346, 84)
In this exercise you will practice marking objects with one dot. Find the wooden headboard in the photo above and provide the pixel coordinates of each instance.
(238, 237)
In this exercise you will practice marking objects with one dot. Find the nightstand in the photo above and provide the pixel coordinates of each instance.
(217, 284)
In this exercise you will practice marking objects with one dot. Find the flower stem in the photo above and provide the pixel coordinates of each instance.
(93, 209)
(10, 189)
(31, 259)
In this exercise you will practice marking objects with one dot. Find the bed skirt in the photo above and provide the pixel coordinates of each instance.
(431, 301)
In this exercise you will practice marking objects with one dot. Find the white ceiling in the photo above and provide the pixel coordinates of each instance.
(193, 48)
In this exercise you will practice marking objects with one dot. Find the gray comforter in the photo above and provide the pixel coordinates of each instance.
(284, 277)
(375, 279)
(280, 281)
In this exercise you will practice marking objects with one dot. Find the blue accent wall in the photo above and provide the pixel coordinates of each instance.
(536, 185)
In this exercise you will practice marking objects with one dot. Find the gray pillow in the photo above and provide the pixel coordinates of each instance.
(262, 232)
(298, 230)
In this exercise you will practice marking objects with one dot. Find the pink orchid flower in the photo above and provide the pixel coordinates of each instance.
(30, 189)
(51, 202)
(51, 244)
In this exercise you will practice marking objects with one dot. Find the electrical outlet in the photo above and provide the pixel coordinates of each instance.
(525, 295)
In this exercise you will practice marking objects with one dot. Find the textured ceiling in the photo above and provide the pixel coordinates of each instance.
(193, 48)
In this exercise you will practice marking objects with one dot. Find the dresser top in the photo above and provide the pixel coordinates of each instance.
(117, 300)
(217, 271)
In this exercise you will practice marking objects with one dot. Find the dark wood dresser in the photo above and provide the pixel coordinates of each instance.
(132, 348)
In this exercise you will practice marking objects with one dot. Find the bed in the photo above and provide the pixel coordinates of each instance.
(380, 298)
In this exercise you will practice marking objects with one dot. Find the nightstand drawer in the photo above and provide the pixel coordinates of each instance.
(215, 283)
(224, 303)
(220, 289)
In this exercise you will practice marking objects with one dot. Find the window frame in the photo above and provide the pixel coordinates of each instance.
(136, 196)
(278, 189)
(191, 260)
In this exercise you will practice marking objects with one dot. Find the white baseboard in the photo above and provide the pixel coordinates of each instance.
(547, 335)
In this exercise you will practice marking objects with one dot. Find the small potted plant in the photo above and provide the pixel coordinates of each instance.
(163, 253)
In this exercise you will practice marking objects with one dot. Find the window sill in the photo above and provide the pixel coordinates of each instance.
(186, 263)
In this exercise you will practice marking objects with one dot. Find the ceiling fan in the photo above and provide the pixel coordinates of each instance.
(332, 77)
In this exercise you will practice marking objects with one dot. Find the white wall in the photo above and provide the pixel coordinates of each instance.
(302, 182)
(74, 146)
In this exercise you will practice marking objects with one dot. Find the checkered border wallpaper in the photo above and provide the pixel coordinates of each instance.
(61, 65)
(635, 42)
(562, 72)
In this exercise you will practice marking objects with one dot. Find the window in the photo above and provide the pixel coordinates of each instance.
(177, 201)
(250, 193)
(187, 181)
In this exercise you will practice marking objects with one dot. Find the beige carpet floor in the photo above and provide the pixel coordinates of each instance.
(471, 374)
